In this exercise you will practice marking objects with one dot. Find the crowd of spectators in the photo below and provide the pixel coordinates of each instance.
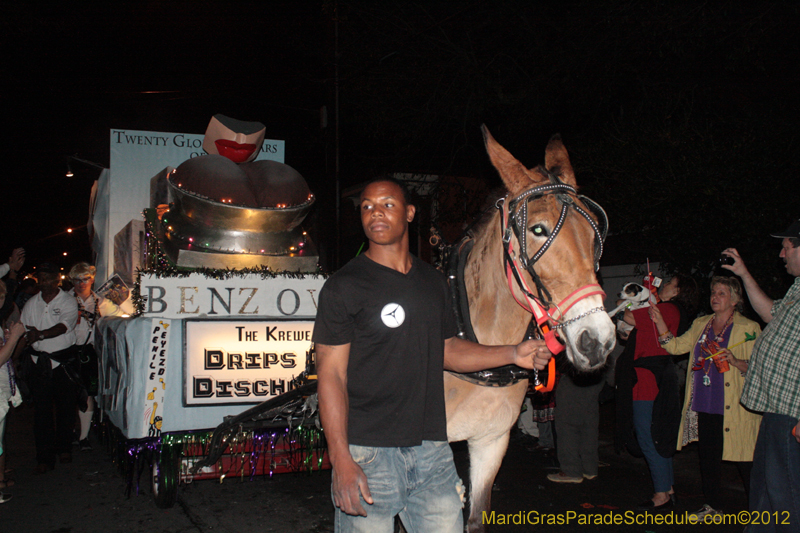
(47, 356)
(741, 401)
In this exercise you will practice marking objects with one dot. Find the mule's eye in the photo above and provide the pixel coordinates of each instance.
(539, 231)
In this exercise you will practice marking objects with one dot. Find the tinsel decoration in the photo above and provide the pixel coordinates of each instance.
(280, 435)
(249, 453)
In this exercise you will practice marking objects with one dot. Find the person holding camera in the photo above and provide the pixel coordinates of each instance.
(772, 387)
(712, 415)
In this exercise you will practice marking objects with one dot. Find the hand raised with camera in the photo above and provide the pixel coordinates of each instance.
(17, 259)
(737, 267)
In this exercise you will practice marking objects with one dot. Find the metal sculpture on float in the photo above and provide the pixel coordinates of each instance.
(228, 211)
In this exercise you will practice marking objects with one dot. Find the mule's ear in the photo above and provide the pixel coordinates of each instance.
(556, 156)
(513, 173)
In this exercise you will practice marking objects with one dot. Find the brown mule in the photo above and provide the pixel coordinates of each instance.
(483, 416)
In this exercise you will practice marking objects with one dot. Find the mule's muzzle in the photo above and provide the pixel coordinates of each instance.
(594, 350)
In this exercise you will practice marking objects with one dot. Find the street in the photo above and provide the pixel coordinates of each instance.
(88, 495)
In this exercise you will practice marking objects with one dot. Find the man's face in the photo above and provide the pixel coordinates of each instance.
(384, 213)
(791, 256)
(49, 280)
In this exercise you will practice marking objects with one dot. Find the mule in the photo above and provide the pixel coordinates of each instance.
(569, 240)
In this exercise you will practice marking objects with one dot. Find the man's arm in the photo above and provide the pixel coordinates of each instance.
(762, 304)
(33, 334)
(464, 356)
(349, 480)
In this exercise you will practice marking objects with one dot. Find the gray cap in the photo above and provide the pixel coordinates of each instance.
(792, 232)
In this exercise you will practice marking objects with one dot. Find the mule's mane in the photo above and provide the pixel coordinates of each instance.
(487, 211)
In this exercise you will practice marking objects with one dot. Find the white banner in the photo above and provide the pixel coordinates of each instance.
(156, 378)
(250, 296)
(234, 361)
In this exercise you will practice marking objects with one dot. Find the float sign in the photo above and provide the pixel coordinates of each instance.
(242, 361)
(249, 296)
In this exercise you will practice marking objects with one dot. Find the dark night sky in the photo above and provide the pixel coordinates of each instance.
(648, 80)
(72, 72)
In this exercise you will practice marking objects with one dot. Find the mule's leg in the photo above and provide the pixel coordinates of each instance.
(485, 456)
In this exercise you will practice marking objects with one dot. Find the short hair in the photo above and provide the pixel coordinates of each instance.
(688, 293)
(794, 241)
(81, 269)
(734, 286)
(389, 179)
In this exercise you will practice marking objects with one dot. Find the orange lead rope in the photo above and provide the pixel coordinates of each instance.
(551, 370)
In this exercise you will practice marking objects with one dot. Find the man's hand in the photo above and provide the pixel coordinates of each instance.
(349, 482)
(17, 259)
(738, 267)
(532, 354)
(32, 335)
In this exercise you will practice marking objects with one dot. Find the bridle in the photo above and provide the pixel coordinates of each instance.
(514, 221)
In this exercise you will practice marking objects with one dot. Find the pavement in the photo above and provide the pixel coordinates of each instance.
(89, 494)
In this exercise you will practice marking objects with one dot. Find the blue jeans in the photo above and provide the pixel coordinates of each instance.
(660, 467)
(775, 479)
(419, 483)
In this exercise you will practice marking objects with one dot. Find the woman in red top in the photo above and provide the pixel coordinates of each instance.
(677, 296)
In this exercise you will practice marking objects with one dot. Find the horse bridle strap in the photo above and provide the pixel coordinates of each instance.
(565, 193)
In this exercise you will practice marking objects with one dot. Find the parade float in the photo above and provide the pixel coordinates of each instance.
(207, 231)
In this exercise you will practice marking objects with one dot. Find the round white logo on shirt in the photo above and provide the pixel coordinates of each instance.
(393, 315)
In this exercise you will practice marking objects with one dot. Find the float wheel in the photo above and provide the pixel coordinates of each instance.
(166, 472)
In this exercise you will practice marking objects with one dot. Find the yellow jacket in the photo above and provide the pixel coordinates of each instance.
(740, 425)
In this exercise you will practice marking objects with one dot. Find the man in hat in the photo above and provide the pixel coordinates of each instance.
(50, 318)
(772, 387)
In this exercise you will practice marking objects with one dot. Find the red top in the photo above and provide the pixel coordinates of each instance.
(647, 345)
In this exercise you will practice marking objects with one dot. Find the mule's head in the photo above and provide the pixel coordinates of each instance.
(568, 264)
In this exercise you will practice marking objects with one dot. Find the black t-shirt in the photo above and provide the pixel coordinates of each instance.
(396, 325)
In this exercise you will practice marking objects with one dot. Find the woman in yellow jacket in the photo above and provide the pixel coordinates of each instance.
(712, 414)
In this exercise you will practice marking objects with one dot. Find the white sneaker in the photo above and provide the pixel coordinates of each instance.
(561, 477)
(705, 510)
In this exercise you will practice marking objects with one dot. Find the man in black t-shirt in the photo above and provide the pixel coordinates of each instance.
(384, 333)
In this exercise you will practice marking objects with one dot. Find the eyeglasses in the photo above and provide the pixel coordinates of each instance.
(82, 280)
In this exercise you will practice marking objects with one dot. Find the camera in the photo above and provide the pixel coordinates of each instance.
(726, 260)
